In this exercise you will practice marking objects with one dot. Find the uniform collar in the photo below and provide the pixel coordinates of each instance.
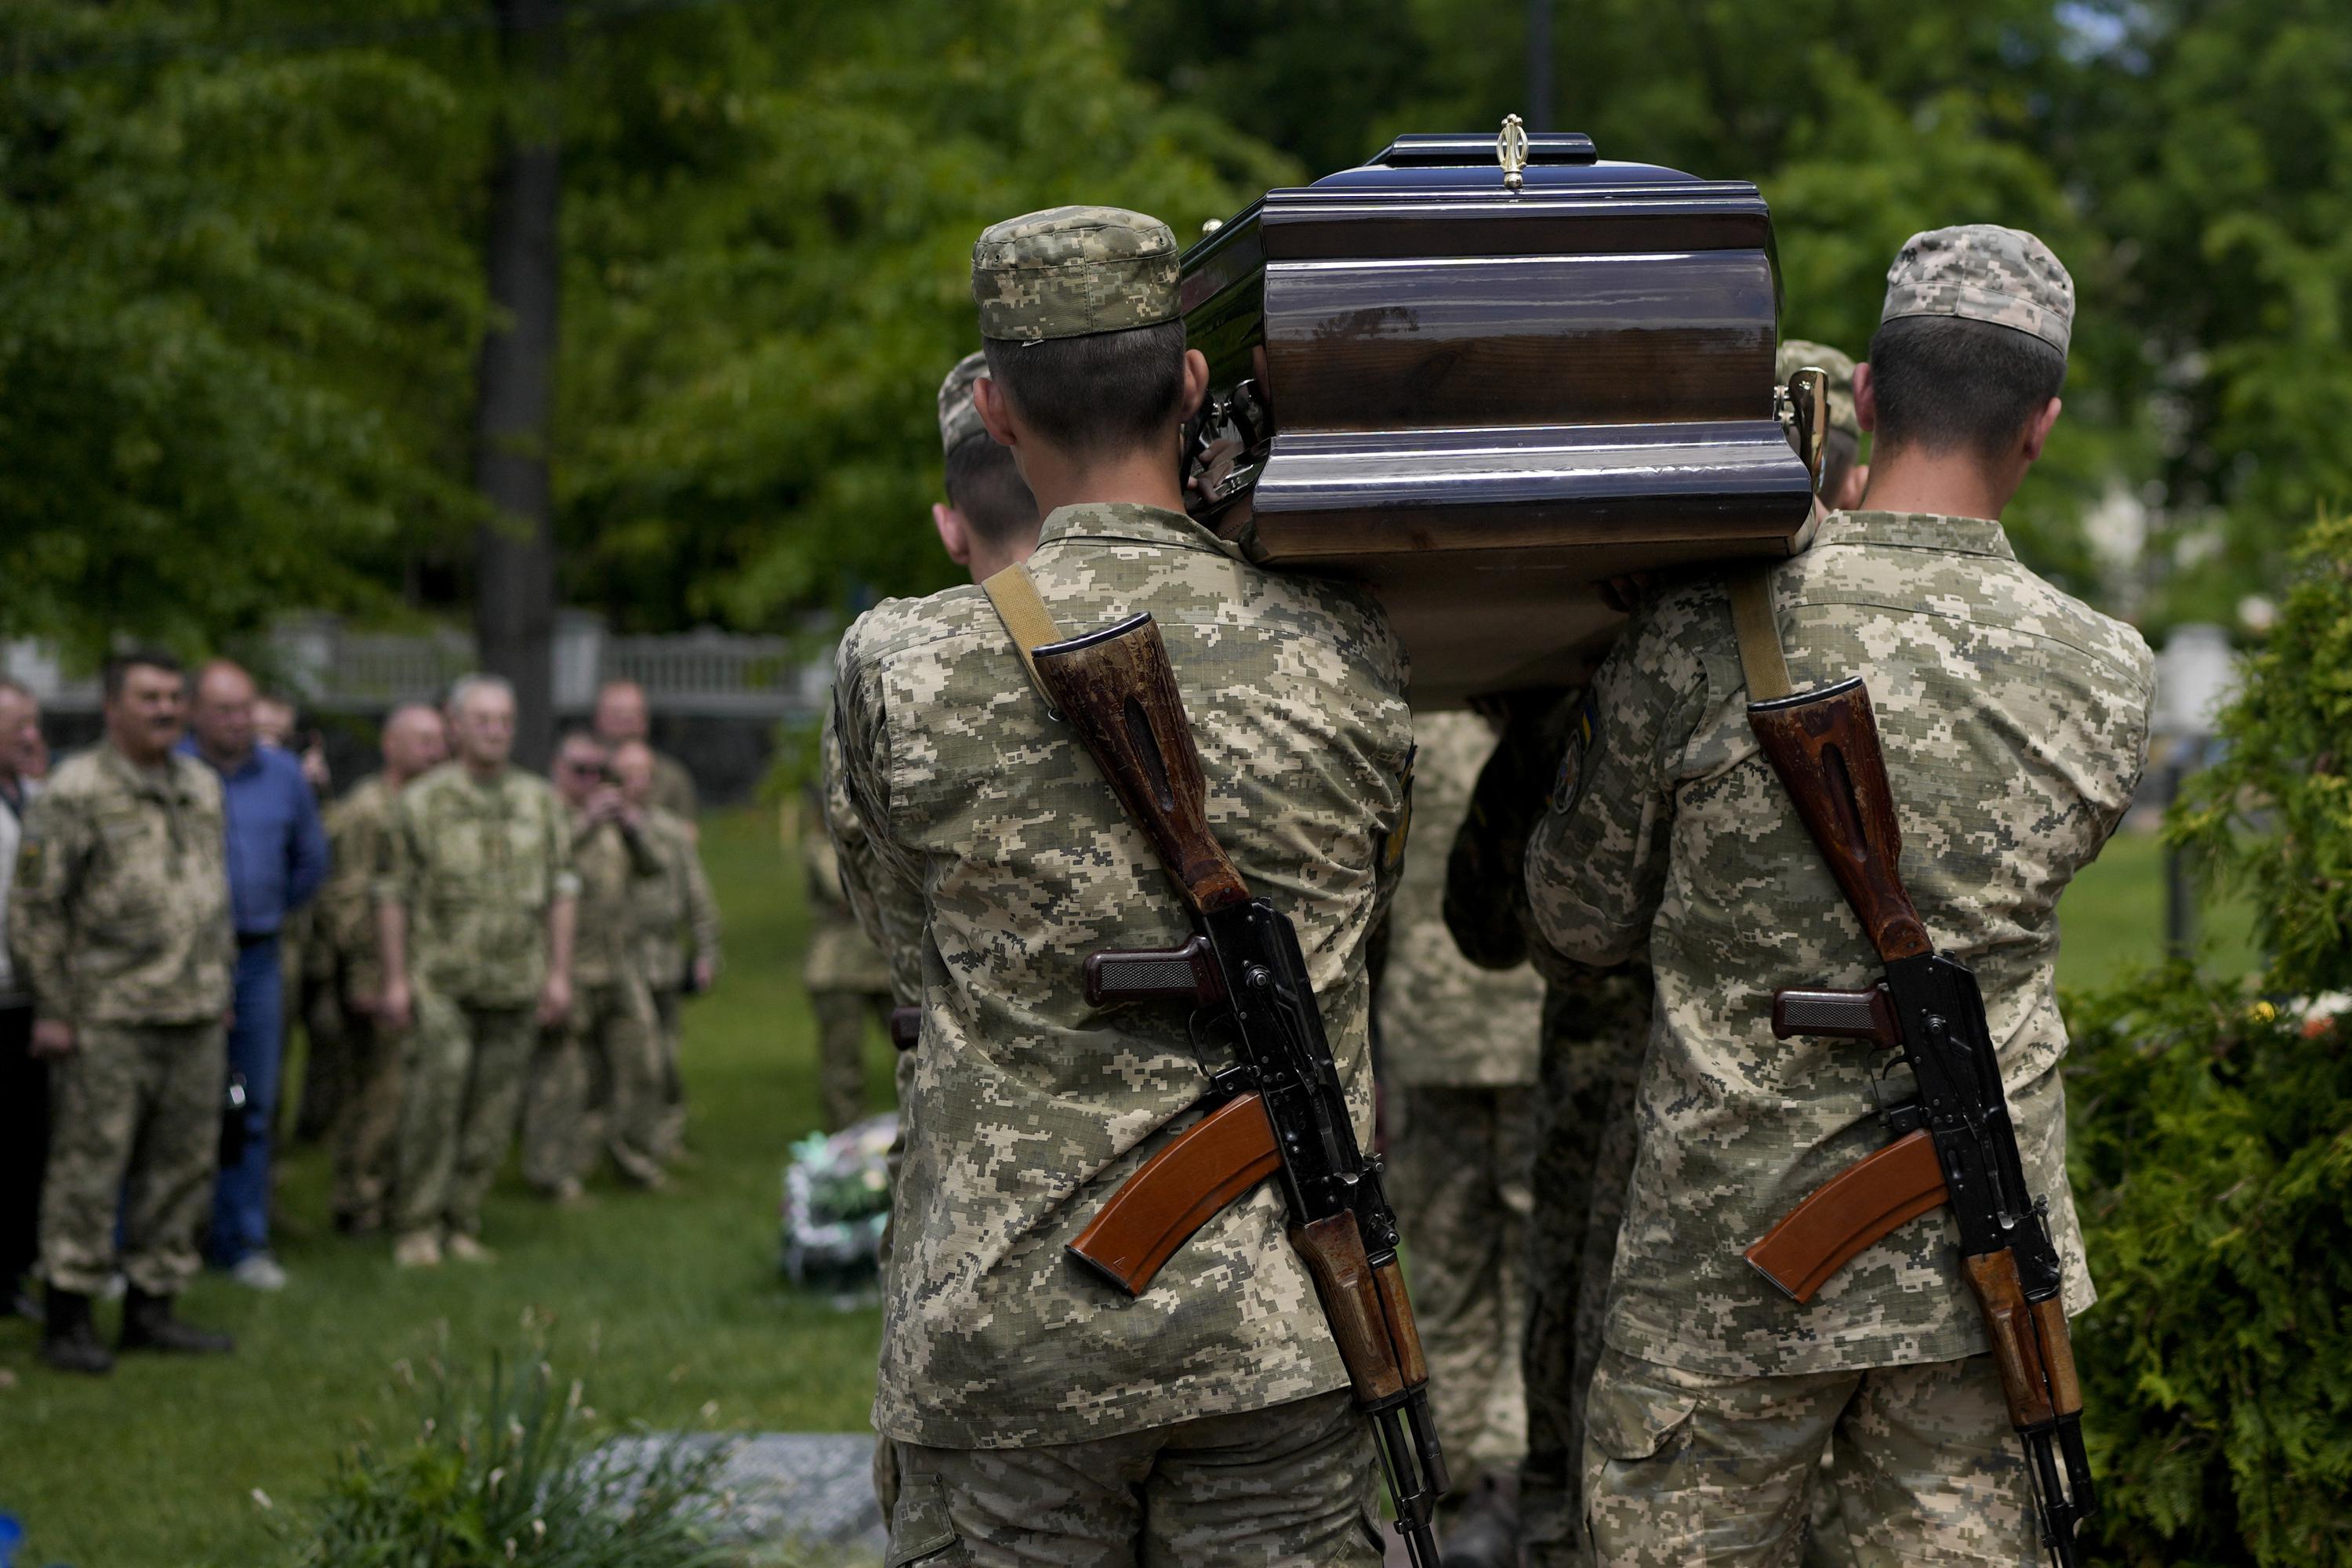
(171, 783)
(1918, 531)
(1128, 522)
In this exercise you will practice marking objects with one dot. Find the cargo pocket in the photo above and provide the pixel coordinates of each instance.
(1637, 1427)
(920, 1530)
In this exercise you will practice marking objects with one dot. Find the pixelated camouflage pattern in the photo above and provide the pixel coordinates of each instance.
(1982, 272)
(1294, 1484)
(1444, 1020)
(596, 1086)
(1458, 1162)
(463, 1068)
(367, 1119)
(134, 1144)
(617, 868)
(118, 913)
(958, 416)
(1027, 1105)
(1682, 1466)
(358, 826)
(1067, 272)
(677, 915)
(477, 866)
(887, 908)
(840, 956)
(2015, 723)
(1796, 354)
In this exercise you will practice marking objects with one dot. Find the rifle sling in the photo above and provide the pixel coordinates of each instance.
(1761, 660)
(1030, 624)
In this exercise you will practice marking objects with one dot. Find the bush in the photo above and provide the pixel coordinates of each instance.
(509, 1467)
(2212, 1151)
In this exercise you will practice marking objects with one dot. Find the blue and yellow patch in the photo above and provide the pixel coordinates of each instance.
(1568, 785)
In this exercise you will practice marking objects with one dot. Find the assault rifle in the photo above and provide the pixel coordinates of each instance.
(1279, 1110)
(1953, 1142)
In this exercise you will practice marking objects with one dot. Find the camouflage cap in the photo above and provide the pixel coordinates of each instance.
(1982, 272)
(1796, 353)
(1067, 272)
(958, 416)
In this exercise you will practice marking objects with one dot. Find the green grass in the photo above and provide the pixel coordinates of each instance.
(677, 1291)
(154, 1467)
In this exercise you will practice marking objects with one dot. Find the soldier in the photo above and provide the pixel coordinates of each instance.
(1458, 1054)
(474, 916)
(119, 913)
(24, 1077)
(621, 716)
(846, 977)
(1210, 1419)
(1845, 477)
(367, 1114)
(607, 1038)
(678, 921)
(1594, 1026)
(2014, 720)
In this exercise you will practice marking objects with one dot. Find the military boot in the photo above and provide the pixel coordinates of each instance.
(68, 1342)
(148, 1325)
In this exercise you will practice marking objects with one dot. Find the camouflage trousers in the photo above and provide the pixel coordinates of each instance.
(1593, 1037)
(841, 1052)
(1461, 1189)
(367, 1117)
(596, 1081)
(134, 1133)
(669, 1040)
(1681, 1468)
(461, 1089)
(1294, 1484)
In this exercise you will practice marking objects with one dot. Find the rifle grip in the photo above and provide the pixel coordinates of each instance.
(1176, 1192)
(1824, 745)
(1333, 1250)
(906, 1027)
(1150, 974)
(2016, 1344)
(1837, 1016)
(1849, 1212)
(1118, 694)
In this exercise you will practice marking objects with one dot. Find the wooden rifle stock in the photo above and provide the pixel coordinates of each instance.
(1178, 1191)
(1824, 745)
(1117, 689)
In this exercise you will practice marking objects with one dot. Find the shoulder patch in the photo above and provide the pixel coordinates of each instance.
(1568, 784)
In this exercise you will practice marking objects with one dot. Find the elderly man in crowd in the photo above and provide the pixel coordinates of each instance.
(277, 862)
(620, 717)
(24, 1077)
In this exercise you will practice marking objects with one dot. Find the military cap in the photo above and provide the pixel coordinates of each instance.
(1981, 272)
(1796, 353)
(958, 416)
(1069, 272)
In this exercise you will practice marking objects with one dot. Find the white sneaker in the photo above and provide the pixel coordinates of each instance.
(258, 1271)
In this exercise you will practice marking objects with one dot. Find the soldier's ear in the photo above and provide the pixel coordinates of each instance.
(1865, 398)
(995, 412)
(1196, 382)
(2037, 429)
(955, 533)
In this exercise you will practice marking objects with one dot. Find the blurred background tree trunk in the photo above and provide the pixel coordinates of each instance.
(514, 395)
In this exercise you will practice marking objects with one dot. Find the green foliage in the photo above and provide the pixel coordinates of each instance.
(2275, 813)
(506, 1468)
(2212, 1148)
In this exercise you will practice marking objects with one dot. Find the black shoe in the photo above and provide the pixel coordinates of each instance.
(68, 1342)
(148, 1325)
(1485, 1532)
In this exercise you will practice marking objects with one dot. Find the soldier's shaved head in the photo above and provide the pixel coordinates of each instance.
(414, 739)
(222, 713)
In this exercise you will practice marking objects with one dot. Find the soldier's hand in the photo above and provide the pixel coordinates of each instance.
(52, 1038)
(705, 972)
(396, 1009)
(554, 1001)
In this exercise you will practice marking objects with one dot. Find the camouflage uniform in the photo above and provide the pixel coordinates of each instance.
(596, 1078)
(477, 866)
(673, 788)
(678, 923)
(848, 982)
(119, 919)
(1458, 1054)
(367, 1111)
(1594, 1026)
(2014, 720)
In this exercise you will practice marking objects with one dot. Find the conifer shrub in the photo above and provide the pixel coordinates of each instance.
(2212, 1151)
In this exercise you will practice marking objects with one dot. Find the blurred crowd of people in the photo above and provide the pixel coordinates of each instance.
(471, 949)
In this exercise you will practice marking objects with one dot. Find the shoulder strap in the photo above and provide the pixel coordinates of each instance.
(1761, 659)
(1015, 593)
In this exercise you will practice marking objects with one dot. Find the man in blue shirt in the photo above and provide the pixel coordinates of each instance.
(277, 860)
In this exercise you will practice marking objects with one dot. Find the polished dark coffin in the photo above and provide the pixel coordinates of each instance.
(1483, 403)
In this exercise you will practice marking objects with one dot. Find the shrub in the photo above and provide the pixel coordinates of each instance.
(508, 1467)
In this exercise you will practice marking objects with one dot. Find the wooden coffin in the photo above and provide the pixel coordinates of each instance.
(1481, 402)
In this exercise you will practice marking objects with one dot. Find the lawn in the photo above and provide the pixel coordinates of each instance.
(155, 1467)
